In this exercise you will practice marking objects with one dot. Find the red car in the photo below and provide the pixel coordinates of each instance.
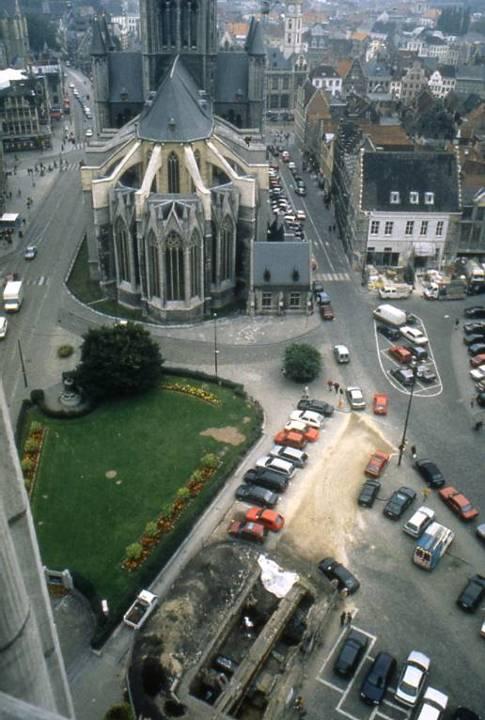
(377, 463)
(401, 354)
(309, 433)
(457, 502)
(477, 360)
(291, 438)
(326, 312)
(247, 531)
(270, 519)
(380, 404)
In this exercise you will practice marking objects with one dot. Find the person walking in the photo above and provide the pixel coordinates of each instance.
(348, 618)
(343, 619)
(330, 385)
(336, 387)
(457, 323)
(413, 451)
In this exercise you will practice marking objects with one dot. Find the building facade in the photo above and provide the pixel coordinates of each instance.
(24, 111)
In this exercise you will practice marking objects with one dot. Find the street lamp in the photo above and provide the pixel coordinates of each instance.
(414, 368)
(216, 351)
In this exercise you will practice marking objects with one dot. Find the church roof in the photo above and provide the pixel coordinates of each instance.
(98, 46)
(231, 77)
(255, 40)
(125, 71)
(177, 113)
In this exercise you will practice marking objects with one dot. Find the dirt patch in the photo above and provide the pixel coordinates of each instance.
(229, 435)
(322, 517)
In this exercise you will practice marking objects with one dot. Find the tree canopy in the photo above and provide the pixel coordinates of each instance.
(118, 361)
(302, 362)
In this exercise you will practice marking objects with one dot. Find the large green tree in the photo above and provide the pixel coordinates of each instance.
(302, 362)
(117, 361)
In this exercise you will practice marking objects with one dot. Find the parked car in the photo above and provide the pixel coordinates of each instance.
(481, 399)
(400, 353)
(318, 406)
(355, 398)
(472, 594)
(322, 298)
(477, 360)
(425, 373)
(3, 326)
(470, 328)
(473, 339)
(291, 438)
(310, 433)
(414, 335)
(326, 312)
(377, 462)
(30, 252)
(389, 332)
(257, 495)
(417, 523)
(350, 654)
(480, 532)
(457, 502)
(430, 473)
(89, 133)
(377, 679)
(413, 678)
(418, 352)
(432, 706)
(266, 478)
(399, 501)
(405, 376)
(477, 348)
(475, 311)
(297, 457)
(477, 374)
(368, 493)
(284, 467)
(225, 665)
(270, 519)
(334, 570)
(247, 531)
(308, 417)
(380, 403)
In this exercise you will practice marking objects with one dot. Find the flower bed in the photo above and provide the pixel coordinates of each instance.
(198, 392)
(31, 454)
(167, 519)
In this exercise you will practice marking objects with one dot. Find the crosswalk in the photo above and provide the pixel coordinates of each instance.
(334, 277)
(39, 281)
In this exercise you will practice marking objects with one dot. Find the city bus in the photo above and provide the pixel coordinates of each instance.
(432, 545)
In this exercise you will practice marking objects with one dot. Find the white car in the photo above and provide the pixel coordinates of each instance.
(293, 455)
(478, 373)
(432, 706)
(30, 252)
(3, 326)
(89, 133)
(417, 524)
(412, 678)
(284, 467)
(71, 85)
(355, 398)
(414, 335)
(308, 417)
(301, 215)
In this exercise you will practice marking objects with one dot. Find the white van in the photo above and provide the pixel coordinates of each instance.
(277, 464)
(342, 354)
(390, 315)
(395, 292)
(417, 524)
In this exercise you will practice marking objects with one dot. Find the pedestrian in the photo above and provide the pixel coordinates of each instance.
(330, 385)
(413, 451)
(343, 617)
(348, 618)
(457, 323)
(336, 387)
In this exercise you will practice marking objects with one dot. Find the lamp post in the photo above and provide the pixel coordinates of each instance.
(216, 351)
(414, 368)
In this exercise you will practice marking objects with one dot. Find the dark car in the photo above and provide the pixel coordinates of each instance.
(399, 501)
(404, 376)
(430, 473)
(420, 353)
(350, 654)
(368, 493)
(481, 399)
(472, 594)
(480, 532)
(318, 406)
(473, 339)
(267, 478)
(476, 311)
(389, 332)
(470, 328)
(476, 349)
(377, 679)
(256, 495)
(334, 570)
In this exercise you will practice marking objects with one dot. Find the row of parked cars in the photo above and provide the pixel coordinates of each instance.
(280, 205)
(474, 339)
(409, 347)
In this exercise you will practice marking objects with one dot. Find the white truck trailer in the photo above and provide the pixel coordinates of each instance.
(13, 295)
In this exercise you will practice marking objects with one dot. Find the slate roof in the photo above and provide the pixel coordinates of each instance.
(125, 72)
(405, 172)
(255, 40)
(176, 114)
(277, 61)
(98, 46)
(282, 259)
(231, 77)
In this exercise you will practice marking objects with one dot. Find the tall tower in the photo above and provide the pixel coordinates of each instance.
(293, 38)
(178, 27)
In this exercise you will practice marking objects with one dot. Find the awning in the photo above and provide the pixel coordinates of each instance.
(423, 249)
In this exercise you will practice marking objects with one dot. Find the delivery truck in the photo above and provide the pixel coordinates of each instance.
(13, 295)
(446, 290)
(390, 315)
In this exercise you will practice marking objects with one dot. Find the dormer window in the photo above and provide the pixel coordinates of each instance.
(429, 198)
(395, 198)
(414, 198)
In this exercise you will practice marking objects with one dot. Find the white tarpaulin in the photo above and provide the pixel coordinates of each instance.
(423, 249)
(275, 580)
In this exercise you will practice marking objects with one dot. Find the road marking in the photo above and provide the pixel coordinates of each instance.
(329, 684)
(42, 280)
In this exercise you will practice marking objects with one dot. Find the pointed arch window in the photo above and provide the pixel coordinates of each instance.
(195, 266)
(194, 19)
(123, 252)
(174, 268)
(227, 244)
(154, 289)
(173, 173)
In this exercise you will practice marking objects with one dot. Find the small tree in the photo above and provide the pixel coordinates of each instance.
(117, 361)
(151, 529)
(302, 362)
(134, 551)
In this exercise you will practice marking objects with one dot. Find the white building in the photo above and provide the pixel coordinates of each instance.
(325, 77)
(442, 81)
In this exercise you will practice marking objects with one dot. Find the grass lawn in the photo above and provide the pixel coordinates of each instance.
(84, 519)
